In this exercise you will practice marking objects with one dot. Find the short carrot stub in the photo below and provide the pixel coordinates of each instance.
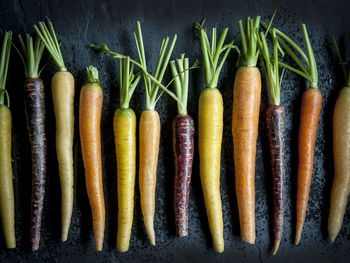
(210, 128)
(245, 122)
(90, 135)
(309, 115)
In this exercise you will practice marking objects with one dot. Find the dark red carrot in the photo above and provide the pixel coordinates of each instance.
(275, 116)
(34, 96)
(183, 146)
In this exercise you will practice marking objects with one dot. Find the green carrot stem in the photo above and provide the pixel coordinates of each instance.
(4, 62)
(92, 74)
(342, 63)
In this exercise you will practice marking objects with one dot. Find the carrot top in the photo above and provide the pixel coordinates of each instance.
(128, 82)
(343, 64)
(307, 63)
(31, 57)
(4, 63)
(48, 37)
(211, 53)
(92, 74)
(271, 66)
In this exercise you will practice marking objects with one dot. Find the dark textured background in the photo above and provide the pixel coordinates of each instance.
(82, 21)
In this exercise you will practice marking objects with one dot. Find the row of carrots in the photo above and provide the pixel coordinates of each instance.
(255, 45)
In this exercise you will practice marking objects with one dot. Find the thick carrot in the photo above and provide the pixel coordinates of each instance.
(210, 127)
(341, 150)
(63, 90)
(124, 124)
(90, 108)
(245, 119)
(309, 114)
(34, 97)
(149, 135)
(7, 201)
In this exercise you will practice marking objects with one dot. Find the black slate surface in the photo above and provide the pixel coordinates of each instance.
(84, 21)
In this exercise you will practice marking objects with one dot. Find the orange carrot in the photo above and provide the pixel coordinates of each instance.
(90, 108)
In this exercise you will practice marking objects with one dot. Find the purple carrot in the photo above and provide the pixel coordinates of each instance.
(275, 117)
(35, 112)
(183, 146)
(34, 98)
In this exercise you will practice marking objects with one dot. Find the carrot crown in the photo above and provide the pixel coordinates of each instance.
(181, 82)
(92, 74)
(307, 63)
(250, 51)
(271, 66)
(342, 63)
(48, 36)
(128, 82)
(31, 55)
(4, 63)
(211, 53)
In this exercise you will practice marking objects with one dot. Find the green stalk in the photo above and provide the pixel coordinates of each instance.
(31, 55)
(92, 74)
(342, 63)
(128, 82)
(4, 62)
(249, 41)
(211, 54)
(48, 37)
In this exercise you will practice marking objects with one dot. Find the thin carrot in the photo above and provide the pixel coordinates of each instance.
(124, 124)
(341, 150)
(7, 200)
(275, 119)
(35, 113)
(245, 120)
(63, 90)
(90, 108)
(210, 127)
(309, 116)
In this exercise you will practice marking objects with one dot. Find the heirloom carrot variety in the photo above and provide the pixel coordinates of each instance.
(210, 127)
(90, 108)
(275, 117)
(35, 111)
(309, 115)
(245, 120)
(183, 146)
(7, 200)
(63, 101)
(124, 124)
(341, 150)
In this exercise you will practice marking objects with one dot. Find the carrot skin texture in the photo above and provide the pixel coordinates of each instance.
(275, 119)
(245, 121)
(210, 128)
(309, 116)
(90, 108)
(183, 147)
(7, 201)
(341, 150)
(63, 100)
(149, 135)
(35, 112)
(124, 124)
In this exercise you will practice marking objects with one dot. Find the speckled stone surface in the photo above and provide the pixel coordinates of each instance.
(81, 22)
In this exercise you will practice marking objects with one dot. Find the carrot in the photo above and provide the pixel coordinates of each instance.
(210, 127)
(245, 120)
(341, 145)
(35, 112)
(124, 124)
(275, 119)
(90, 108)
(183, 146)
(7, 201)
(62, 85)
(309, 116)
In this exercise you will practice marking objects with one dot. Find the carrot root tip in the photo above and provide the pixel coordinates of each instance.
(275, 247)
